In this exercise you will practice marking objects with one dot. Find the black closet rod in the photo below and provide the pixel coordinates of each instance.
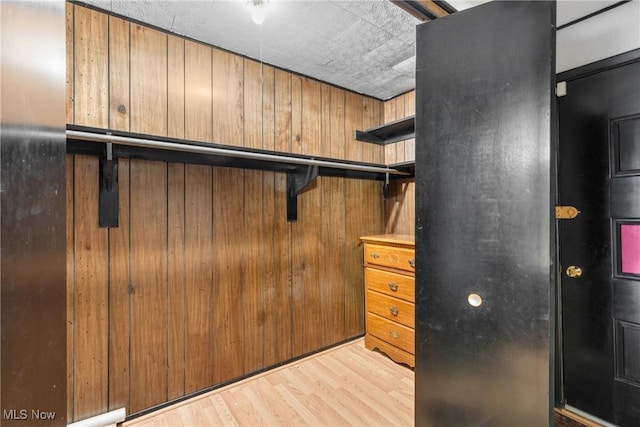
(188, 148)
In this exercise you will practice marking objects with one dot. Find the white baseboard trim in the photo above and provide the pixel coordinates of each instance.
(108, 419)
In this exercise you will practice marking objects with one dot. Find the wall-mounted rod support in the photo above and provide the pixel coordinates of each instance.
(108, 195)
(228, 152)
(296, 183)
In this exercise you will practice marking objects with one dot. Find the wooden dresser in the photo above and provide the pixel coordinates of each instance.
(389, 275)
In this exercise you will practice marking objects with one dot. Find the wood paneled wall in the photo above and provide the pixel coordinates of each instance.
(400, 202)
(204, 280)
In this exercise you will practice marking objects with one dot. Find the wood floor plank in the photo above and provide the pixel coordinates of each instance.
(347, 385)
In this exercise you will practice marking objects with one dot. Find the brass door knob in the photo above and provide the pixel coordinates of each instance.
(574, 272)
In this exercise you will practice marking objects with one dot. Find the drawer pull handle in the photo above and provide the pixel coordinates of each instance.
(394, 310)
(394, 334)
(374, 255)
(412, 262)
(393, 286)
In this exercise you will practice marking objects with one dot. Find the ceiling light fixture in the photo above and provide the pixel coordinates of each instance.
(258, 10)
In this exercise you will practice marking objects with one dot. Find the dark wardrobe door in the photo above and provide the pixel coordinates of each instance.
(599, 174)
(485, 143)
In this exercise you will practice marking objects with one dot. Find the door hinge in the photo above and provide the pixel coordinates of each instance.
(566, 212)
(561, 89)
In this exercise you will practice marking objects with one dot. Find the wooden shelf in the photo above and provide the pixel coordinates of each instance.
(395, 131)
(301, 170)
(86, 140)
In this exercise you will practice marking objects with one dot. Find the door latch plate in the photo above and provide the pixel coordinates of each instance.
(566, 212)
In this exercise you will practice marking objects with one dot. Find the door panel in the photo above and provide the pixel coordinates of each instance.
(484, 147)
(599, 174)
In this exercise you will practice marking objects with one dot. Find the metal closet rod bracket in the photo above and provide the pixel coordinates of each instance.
(108, 195)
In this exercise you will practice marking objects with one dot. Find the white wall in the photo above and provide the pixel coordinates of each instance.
(602, 36)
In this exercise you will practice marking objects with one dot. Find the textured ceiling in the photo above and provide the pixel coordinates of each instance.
(367, 46)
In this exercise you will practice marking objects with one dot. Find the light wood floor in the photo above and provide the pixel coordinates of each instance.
(344, 386)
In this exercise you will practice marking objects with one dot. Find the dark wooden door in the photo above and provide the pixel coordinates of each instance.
(599, 174)
(485, 148)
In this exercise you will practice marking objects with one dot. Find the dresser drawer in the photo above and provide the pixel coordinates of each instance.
(391, 308)
(389, 256)
(391, 332)
(395, 285)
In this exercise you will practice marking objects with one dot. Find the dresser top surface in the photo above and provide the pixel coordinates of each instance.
(394, 239)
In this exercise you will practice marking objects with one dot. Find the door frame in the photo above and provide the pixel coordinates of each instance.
(566, 76)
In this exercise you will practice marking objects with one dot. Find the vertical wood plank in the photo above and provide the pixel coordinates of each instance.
(227, 85)
(199, 274)
(118, 74)
(409, 110)
(325, 189)
(392, 209)
(353, 121)
(269, 284)
(337, 123)
(282, 228)
(253, 269)
(90, 296)
(176, 298)
(253, 222)
(377, 114)
(148, 112)
(367, 112)
(283, 111)
(268, 108)
(297, 229)
(400, 114)
(372, 199)
(70, 284)
(90, 68)
(311, 103)
(198, 91)
(390, 151)
(119, 297)
(337, 215)
(409, 203)
(310, 220)
(252, 104)
(296, 114)
(70, 58)
(354, 285)
(228, 215)
(148, 222)
(176, 86)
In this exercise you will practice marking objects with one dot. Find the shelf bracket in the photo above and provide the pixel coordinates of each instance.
(297, 181)
(108, 193)
(385, 186)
